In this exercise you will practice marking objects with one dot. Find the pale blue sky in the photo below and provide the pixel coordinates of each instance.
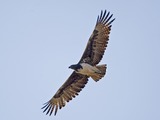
(40, 39)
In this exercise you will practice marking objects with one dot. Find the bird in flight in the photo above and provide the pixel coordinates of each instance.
(86, 67)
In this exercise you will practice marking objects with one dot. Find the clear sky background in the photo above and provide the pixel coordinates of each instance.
(40, 39)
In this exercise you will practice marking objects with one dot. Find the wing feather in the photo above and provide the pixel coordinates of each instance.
(98, 41)
(66, 92)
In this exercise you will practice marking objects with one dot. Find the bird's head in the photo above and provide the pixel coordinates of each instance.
(75, 67)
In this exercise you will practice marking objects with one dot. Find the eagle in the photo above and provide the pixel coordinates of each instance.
(87, 66)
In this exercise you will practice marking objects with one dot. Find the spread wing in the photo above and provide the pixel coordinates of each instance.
(98, 40)
(93, 54)
(66, 92)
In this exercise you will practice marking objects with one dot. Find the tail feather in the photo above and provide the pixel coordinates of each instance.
(99, 75)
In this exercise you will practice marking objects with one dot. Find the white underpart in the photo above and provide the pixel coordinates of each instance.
(88, 69)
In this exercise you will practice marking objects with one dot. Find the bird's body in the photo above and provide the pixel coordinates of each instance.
(86, 67)
(96, 72)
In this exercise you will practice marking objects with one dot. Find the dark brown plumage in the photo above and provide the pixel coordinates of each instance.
(92, 55)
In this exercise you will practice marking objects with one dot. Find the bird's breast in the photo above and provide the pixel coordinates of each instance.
(86, 69)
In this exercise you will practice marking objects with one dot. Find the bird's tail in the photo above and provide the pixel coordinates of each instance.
(98, 75)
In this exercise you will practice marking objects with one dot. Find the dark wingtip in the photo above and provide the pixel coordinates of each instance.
(111, 21)
(56, 110)
(105, 17)
(48, 108)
